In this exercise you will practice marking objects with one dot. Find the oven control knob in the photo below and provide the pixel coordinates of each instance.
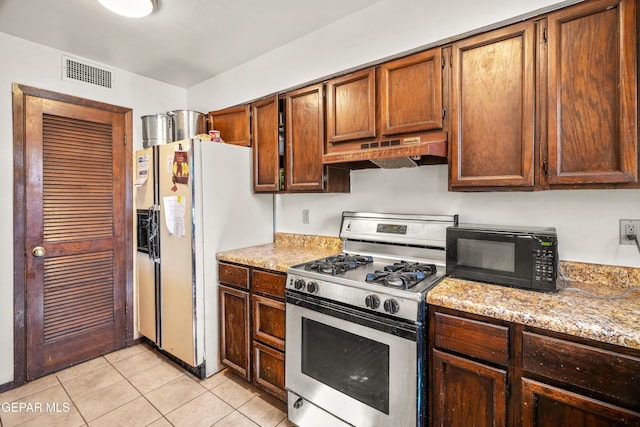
(299, 284)
(391, 306)
(312, 287)
(372, 301)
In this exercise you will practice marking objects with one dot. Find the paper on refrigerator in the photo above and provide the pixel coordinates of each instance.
(174, 211)
(142, 170)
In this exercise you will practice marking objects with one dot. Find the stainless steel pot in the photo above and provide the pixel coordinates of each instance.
(156, 129)
(187, 124)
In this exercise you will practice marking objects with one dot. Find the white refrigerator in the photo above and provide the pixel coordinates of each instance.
(193, 198)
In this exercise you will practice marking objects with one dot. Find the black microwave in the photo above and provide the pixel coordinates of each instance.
(520, 257)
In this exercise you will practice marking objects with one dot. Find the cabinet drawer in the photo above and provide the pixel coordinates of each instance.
(234, 275)
(268, 370)
(268, 321)
(473, 338)
(271, 284)
(606, 372)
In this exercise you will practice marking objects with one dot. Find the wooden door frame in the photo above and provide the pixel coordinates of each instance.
(20, 92)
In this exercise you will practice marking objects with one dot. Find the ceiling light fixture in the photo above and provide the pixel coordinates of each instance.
(130, 8)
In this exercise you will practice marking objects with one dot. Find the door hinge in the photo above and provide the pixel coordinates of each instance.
(544, 35)
(444, 61)
(444, 113)
(125, 140)
(544, 167)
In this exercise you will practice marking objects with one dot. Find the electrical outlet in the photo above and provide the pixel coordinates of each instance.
(627, 227)
(305, 216)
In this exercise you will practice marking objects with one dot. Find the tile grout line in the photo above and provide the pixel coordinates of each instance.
(138, 390)
(71, 400)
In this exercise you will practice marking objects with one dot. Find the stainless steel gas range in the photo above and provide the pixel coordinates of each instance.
(356, 323)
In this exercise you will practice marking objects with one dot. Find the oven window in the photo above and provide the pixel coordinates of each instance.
(351, 364)
(487, 254)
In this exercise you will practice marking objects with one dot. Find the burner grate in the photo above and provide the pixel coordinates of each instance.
(402, 274)
(338, 263)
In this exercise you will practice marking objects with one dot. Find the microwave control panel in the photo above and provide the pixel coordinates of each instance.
(545, 255)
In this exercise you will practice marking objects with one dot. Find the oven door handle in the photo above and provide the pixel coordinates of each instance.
(380, 322)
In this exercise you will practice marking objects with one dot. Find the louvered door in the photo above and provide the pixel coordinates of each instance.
(75, 195)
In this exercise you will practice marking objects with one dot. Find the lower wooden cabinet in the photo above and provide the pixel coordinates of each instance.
(468, 393)
(234, 330)
(488, 372)
(252, 322)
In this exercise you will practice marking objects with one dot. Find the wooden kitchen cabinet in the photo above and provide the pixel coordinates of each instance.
(469, 360)
(592, 94)
(234, 330)
(548, 103)
(395, 108)
(266, 154)
(304, 144)
(233, 124)
(351, 107)
(566, 382)
(491, 372)
(411, 91)
(252, 325)
(288, 143)
(268, 331)
(492, 109)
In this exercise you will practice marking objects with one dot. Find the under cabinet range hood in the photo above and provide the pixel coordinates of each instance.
(392, 153)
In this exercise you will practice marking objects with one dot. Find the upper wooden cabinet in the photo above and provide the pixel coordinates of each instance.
(492, 109)
(266, 157)
(288, 142)
(550, 103)
(390, 111)
(411, 93)
(233, 124)
(592, 96)
(304, 133)
(351, 111)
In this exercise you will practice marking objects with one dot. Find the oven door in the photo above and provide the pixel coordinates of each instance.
(362, 368)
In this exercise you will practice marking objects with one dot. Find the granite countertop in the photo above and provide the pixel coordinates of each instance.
(286, 250)
(571, 310)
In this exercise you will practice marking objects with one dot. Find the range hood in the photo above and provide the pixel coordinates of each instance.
(393, 153)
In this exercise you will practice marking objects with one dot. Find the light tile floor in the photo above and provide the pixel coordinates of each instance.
(139, 387)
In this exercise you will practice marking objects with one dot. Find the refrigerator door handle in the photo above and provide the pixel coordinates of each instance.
(153, 233)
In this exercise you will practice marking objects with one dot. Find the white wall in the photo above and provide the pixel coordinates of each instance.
(38, 66)
(587, 220)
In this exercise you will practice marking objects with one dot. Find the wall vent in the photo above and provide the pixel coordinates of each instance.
(83, 71)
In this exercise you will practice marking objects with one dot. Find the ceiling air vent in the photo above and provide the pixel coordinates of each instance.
(83, 71)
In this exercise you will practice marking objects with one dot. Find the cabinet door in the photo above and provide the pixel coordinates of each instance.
(304, 123)
(467, 393)
(492, 111)
(547, 406)
(234, 330)
(268, 370)
(264, 128)
(411, 90)
(351, 107)
(592, 106)
(233, 124)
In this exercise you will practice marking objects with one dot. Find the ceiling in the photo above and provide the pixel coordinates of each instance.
(183, 43)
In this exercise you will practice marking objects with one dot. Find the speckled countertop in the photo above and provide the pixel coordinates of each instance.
(286, 250)
(570, 310)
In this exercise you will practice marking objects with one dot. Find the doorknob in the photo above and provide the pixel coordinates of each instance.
(38, 251)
